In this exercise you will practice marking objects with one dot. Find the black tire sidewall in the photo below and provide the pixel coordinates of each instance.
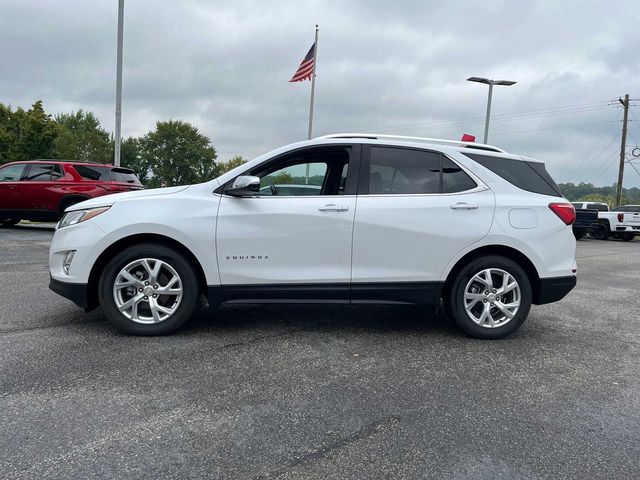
(9, 222)
(601, 232)
(456, 297)
(189, 286)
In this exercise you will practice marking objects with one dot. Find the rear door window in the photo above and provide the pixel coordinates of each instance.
(96, 173)
(11, 173)
(403, 171)
(43, 172)
(398, 170)
(454, 179)
(525, 174)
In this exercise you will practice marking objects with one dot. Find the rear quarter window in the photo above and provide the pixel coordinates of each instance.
(124, 175)
(525, 174)
(597, 206)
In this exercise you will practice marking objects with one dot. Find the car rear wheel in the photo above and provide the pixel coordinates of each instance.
(579, 234)
(490, 297)
(148, 289)
(9, 222)
(600, 232)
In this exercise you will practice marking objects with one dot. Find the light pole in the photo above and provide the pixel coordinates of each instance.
(118, 139)
(491, 83)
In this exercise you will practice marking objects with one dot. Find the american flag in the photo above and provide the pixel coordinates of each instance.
(305, 70)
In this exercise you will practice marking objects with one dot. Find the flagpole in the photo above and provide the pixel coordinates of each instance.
(313, 83)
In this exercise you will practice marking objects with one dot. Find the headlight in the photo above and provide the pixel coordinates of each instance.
(78, 216)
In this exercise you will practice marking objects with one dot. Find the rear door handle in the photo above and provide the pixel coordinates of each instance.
(464, 206)
(333, 208)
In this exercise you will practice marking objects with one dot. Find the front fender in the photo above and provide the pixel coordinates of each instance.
(189, 221)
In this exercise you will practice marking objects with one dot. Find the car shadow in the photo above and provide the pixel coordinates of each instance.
(30, 226)
(359, 318)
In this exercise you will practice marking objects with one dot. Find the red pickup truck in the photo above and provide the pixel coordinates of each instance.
(40, 190)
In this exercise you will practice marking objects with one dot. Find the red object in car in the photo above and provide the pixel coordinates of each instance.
(40, 190)
(565, 211)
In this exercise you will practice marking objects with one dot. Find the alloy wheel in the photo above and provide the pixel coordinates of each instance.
(147, 290)
(492, 298)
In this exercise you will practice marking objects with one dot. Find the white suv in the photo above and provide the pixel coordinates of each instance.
(366, 219)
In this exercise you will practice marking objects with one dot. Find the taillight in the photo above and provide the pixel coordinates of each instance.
(621, 217)
(565, 211)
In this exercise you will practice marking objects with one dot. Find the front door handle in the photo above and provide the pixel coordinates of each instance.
(464, 206)
(331, 207)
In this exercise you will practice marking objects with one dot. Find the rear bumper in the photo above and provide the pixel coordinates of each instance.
(628, 229)
(76, 292)
(553, 289)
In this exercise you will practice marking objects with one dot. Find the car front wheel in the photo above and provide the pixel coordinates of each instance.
(490, 297)
(148, 289)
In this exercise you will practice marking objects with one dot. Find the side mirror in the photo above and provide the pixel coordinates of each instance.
(244, 186)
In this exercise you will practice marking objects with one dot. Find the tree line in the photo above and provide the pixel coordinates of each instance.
(173, 153)
(590, 193)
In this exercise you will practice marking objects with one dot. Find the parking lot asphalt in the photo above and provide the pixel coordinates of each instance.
(320, 392)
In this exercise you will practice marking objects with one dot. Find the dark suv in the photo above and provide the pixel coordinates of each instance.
(40, 190)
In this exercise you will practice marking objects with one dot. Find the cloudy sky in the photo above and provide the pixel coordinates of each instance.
(388, 67)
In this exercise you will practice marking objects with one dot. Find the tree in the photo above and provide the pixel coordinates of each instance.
(26, 135)
(177, 154)
(130, 158)
(233, 162)
(596, 197)
(81, 137)
(280, 178)
(8, 131)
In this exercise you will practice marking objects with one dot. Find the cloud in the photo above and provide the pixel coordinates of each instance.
(393, 67)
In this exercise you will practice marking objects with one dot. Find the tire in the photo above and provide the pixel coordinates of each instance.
(67, 202)
(172, 264)
(10, 222)
(627, 237)
(601, 232)
(455, 298)
(579, 234)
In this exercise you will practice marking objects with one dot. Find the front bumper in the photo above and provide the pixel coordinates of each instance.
(553, 289)
(76, 292)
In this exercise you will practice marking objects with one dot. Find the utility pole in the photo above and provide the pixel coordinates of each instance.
(118, 139)
(623, 146)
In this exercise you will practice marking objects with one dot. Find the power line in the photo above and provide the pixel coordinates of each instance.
(633, 166)
(553, 128)
(634, 121)
(592, 162)
(563, 110)
(592, 149)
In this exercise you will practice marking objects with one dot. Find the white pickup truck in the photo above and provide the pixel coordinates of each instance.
(622, 222)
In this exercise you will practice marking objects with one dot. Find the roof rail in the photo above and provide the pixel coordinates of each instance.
(61, 160)
(453, 143)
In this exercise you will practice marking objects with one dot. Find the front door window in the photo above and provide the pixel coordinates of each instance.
(11, 173)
